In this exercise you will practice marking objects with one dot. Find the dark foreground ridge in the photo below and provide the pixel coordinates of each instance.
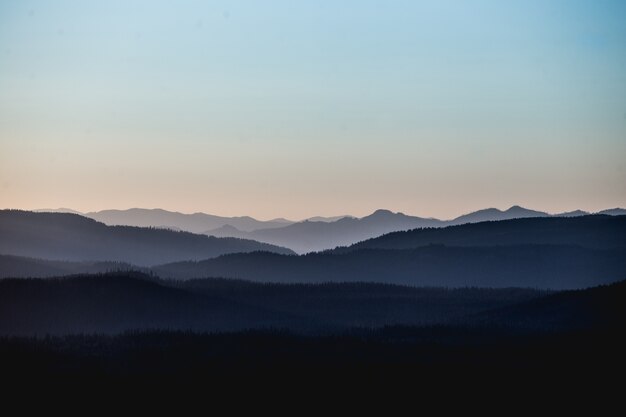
(117, 302)
(134, 325)
(424, 355)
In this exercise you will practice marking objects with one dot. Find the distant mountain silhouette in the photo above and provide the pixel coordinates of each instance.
(61, 236)
(310, 236)
(59, 210)
(614, 212)
(228, 231)
(195, 223)
(595, 232)
(327, 219)
(491, 214)
(575, 213)
(281, 220)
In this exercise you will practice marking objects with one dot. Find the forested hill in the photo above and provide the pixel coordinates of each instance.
(594, 232)
(117, 302)
(536, 266)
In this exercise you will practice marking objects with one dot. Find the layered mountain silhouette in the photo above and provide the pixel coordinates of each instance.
(63, 236)
(493, 214)
(195, 223)
(554, 252)
(550, 253)
(594, 232)
(536, 290)
(314, 234)
(311, 236)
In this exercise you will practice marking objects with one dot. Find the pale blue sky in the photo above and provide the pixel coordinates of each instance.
(283, 108)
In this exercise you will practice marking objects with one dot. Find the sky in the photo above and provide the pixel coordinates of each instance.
(295, 109)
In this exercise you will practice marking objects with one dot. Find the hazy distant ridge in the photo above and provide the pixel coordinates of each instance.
(63, 236)
(314, 234)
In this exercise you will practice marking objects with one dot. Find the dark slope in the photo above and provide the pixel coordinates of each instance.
(538, 266)
(596, 232)
(21, 267)
(62, 236)
(117, 302)
(346, 305)
(594, 309)
(506, 346)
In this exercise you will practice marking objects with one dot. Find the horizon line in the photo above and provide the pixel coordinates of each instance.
(80, 212)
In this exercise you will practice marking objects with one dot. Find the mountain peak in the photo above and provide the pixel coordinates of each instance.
(382, 212)
(516, 208)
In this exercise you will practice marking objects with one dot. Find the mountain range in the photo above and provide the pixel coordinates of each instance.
(310, 235)
(546, 252)
(83, 297)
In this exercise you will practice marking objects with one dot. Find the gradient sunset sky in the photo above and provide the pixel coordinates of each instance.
(301, 108)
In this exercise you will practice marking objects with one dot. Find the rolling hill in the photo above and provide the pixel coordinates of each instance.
(194, 223)
(313, 236)
(22, 267)
(63, 236)
(117, 302)
(535, 266)
(494, 214)
(595, 232)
